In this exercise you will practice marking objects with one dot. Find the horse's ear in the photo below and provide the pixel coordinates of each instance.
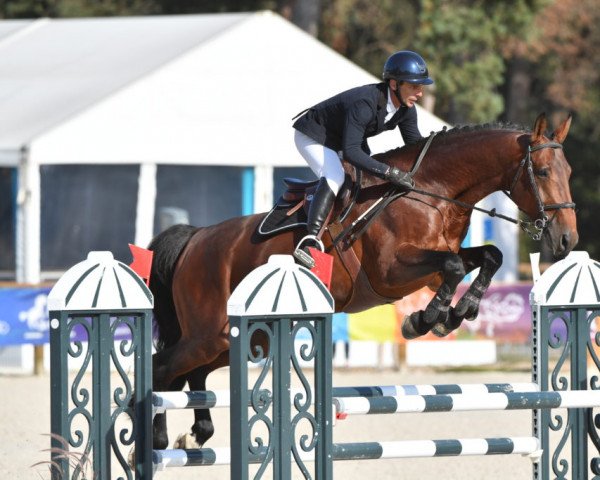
(560, 133)
(539, 128)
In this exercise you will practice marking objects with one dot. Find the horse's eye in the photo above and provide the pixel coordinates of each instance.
(542, 172)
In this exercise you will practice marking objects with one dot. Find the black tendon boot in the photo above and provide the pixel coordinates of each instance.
(320, 207)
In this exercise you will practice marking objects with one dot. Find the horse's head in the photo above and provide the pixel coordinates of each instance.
(540, 188)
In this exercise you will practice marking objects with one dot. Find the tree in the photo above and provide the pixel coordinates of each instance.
(28, 8)
(99, 8)
(368, 32)
(557, 70)
(566, 57)
(462, 41)
(567, 49)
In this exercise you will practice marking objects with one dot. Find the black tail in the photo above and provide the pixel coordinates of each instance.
(167, 246)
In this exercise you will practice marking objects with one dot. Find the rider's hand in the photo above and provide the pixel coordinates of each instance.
(399, 178)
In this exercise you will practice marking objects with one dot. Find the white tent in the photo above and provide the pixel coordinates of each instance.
(216, 89)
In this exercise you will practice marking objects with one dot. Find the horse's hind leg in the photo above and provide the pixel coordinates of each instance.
(161, 361)
(451, 267)
(203, 427)
(489, 259)
(160, 438)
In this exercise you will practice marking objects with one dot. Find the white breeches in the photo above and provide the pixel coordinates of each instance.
(323, 161)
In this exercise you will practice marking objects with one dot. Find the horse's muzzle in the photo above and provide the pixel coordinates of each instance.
(561, 241)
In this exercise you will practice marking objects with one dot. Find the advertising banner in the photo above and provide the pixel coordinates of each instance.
(504, 316)
(23, 315)
(24, 318)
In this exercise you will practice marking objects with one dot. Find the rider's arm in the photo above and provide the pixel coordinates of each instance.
(357, 118)
(409, 128)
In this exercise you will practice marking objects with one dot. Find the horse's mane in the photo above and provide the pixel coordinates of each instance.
(446, 135)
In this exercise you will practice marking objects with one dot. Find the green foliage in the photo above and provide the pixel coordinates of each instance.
(368, 32)
(101, 8)
(585, 188)
(169, 7)
(28, 8)
(565, 59)
(76, 8)
(463, 42)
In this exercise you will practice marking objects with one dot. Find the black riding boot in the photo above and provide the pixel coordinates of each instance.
(320, 207)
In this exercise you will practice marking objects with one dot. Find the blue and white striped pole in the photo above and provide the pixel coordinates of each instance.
(162, 401)
(467, 402)
(425, 389)
(529, 446)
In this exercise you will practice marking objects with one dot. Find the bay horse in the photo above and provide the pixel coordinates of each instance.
(414, 242)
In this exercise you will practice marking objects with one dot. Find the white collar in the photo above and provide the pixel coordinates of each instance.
(390, 107)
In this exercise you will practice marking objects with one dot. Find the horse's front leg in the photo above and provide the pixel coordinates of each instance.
(451, 267)
(489, 259)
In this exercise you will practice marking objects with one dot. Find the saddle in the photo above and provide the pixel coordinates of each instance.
(291, 209)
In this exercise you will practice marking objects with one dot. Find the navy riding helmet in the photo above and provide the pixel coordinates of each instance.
(407, 66)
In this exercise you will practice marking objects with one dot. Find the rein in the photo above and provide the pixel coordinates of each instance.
(534, 229)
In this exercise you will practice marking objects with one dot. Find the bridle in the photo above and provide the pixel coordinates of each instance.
(536, 228)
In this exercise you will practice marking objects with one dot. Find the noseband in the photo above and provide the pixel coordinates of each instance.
(536, 228)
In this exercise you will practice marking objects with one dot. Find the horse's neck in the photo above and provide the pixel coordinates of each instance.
(473, 168)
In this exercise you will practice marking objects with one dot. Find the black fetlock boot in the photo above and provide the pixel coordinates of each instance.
(320, 207)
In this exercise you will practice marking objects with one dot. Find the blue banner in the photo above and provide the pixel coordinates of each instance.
(24, 318)
(339, 329)
(23, 315)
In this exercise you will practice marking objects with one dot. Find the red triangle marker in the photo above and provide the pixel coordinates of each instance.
(323, 266)
(142, 262)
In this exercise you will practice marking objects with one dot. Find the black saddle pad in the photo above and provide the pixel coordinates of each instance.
(278, 221)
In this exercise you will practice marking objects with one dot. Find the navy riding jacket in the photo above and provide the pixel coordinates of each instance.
(345, 121)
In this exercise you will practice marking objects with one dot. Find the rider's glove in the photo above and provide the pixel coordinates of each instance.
(399, 178)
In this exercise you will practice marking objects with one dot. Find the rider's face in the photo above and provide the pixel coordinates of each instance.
(410, 93)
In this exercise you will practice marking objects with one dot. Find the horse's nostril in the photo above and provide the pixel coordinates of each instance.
(564, 241)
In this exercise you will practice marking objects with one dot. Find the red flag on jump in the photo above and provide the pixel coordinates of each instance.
(142, 262)
(323, 265)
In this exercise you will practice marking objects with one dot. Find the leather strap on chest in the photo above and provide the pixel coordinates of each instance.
(363, 295)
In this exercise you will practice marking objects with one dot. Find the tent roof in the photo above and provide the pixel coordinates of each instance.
(52, 69)
(215, 89)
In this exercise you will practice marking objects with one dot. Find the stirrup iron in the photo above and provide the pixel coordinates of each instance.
(303, 257)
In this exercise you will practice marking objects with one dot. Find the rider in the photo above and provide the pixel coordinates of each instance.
(344, 122)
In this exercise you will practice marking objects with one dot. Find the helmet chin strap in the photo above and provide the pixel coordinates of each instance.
(398, 96)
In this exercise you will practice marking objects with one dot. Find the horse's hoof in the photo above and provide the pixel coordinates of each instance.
(443, 329)
(185, 441)
(202, 430)
(440, 330)
(131, 458)
(160, 442)
(468, 306)
(408, 330)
